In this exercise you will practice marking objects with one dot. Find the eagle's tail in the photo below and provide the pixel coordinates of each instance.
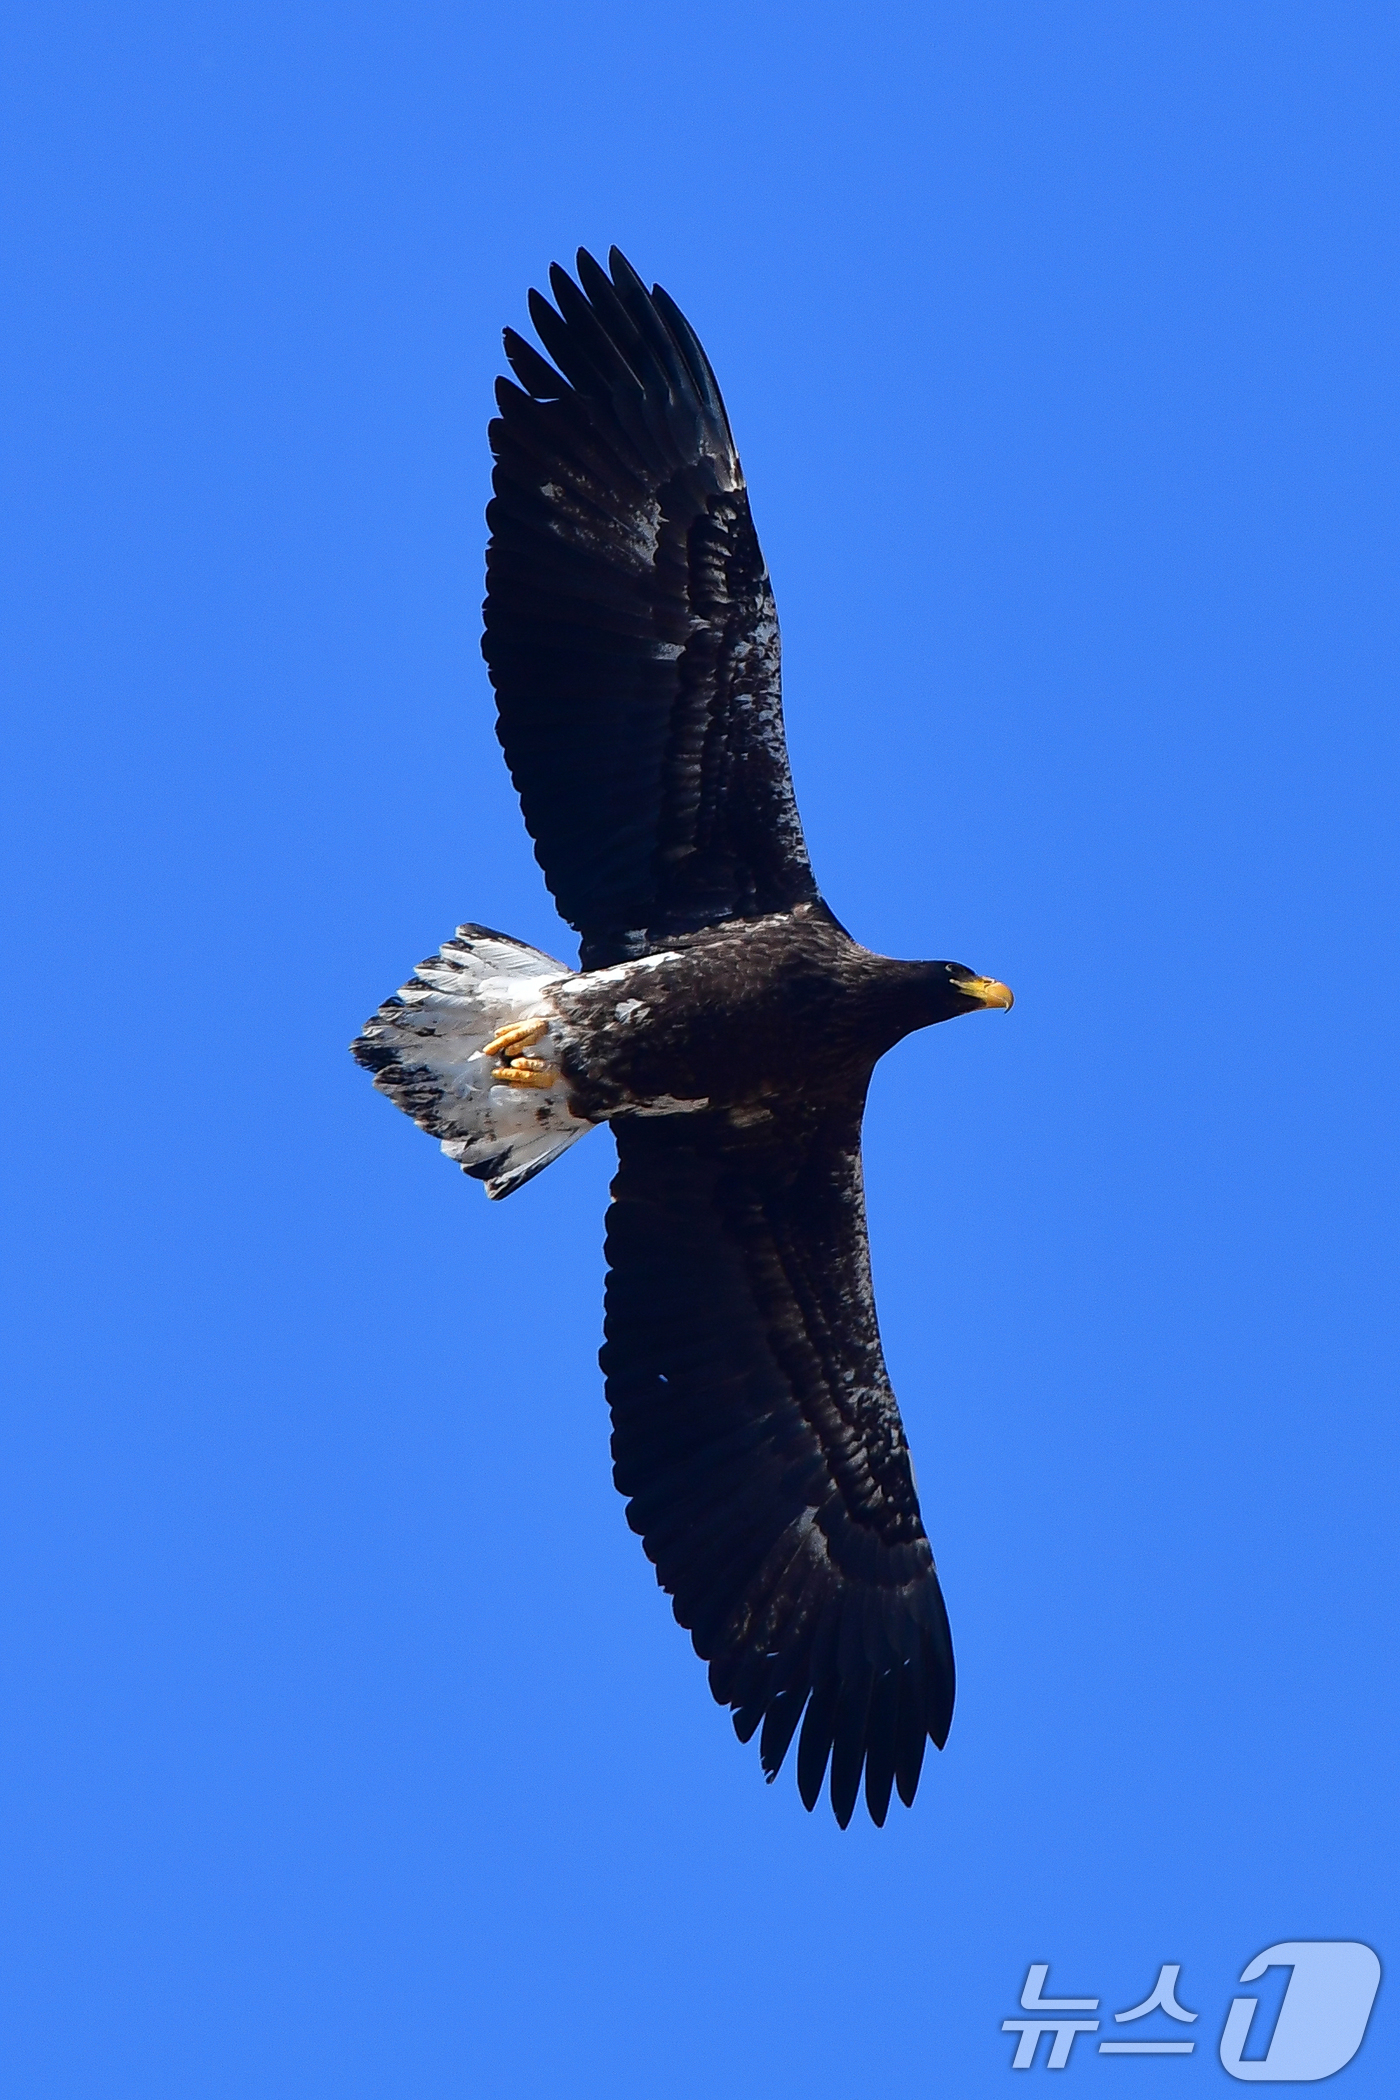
(427, 1050)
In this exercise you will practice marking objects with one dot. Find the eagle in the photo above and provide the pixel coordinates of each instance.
(722, 1021)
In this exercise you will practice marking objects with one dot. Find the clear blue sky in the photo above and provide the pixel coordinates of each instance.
(349, 1750)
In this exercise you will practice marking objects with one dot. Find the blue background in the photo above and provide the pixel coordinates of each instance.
(349, 1748)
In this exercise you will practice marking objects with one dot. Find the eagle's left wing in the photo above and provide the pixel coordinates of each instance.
(760, 1444)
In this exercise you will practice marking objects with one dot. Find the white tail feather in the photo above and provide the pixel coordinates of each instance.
(425, 1048)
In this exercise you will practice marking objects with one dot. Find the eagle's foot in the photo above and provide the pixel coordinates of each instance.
(526, 1071)
(517, 1036)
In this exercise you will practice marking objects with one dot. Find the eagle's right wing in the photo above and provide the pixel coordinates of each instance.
(631, 633)
(760, 1444)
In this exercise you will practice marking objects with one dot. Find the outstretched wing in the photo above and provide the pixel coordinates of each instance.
(760, 1444)
(630, 628)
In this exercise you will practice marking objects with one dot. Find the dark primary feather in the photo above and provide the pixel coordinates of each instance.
(630, 628)
(758, 1441)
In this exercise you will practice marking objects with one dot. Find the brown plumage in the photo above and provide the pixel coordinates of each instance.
(723, 1023)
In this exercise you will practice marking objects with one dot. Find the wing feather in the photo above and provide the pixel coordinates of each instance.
(631, 633)
(759, 1444)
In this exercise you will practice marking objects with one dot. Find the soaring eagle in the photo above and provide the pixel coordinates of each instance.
(722, 1021)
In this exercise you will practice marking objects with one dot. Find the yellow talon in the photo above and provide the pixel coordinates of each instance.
(526, 1071)
(506, 1041)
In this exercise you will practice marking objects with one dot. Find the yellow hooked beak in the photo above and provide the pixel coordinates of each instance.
(985, 990)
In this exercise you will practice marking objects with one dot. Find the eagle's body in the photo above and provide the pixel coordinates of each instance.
(739, 1017)
(724, 1024)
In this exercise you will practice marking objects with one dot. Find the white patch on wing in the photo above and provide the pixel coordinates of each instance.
(668, 1105)
(748, 1114)
(624, 973)
(426, 1049)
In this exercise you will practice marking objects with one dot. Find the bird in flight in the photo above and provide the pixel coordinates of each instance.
(722, 1021)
